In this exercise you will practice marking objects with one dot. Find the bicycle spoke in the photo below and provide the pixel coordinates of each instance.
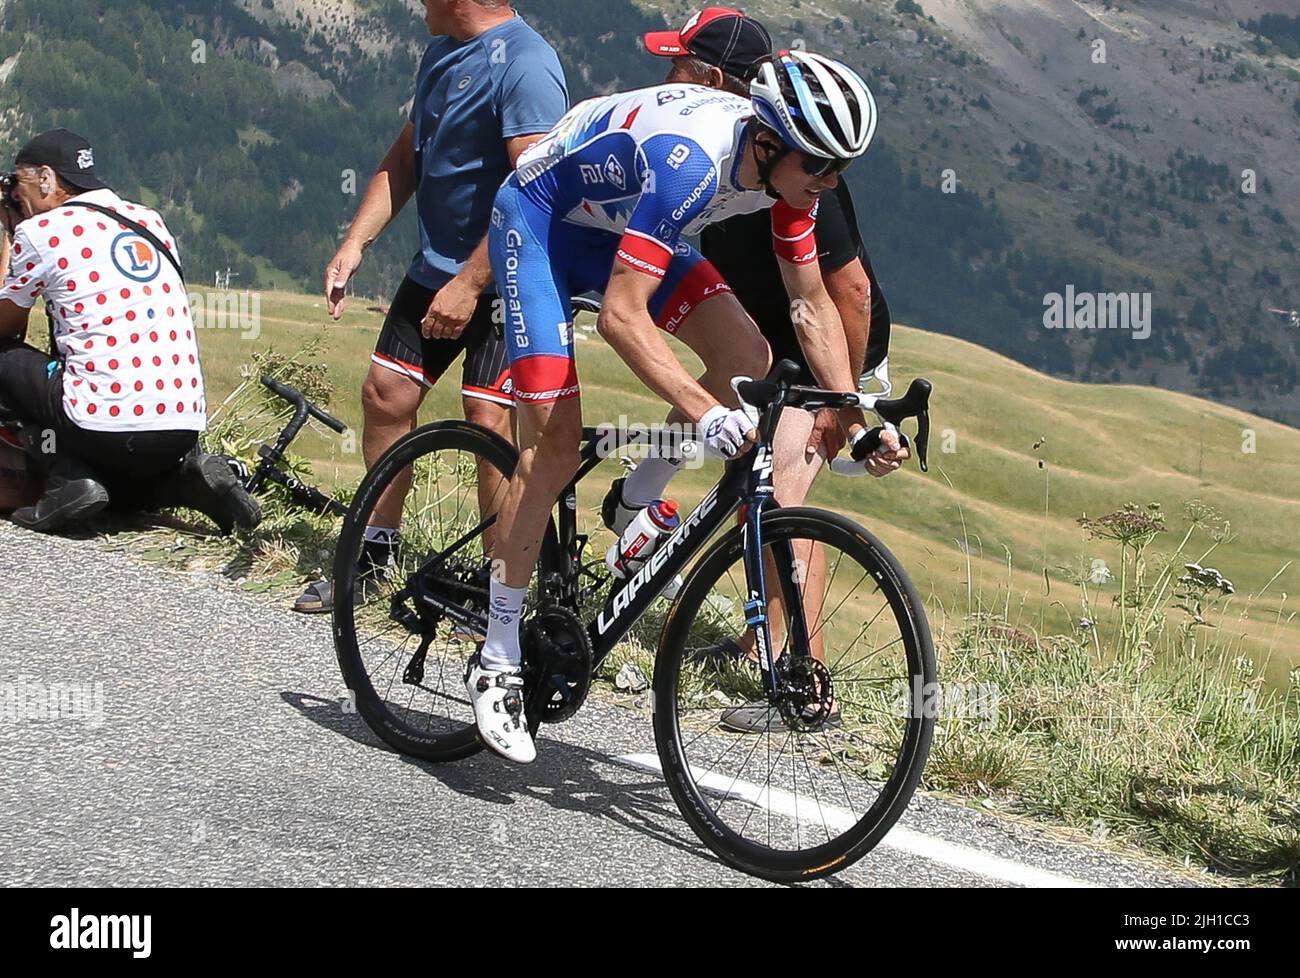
(831, 782)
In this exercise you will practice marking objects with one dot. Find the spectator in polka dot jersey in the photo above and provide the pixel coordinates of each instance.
(121, 403)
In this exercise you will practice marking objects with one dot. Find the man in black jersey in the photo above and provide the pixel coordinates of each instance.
(722, 48)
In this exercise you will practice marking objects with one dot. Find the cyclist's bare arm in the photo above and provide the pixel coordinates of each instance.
(821, 333)
(850, 289)
(388, 191)
(626, 325)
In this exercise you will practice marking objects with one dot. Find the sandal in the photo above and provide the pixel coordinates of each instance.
(317, 599)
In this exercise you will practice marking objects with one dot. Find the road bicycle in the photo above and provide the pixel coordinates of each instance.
(799, 610)
(271, 468)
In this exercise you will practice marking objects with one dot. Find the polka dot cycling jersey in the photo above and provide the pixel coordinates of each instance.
(121, 316)
(651, 166)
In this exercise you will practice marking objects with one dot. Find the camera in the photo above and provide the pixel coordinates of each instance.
(7, 184)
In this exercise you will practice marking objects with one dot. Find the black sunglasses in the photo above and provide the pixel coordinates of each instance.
(820, 166)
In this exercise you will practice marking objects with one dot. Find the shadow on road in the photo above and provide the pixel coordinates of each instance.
(564, 776)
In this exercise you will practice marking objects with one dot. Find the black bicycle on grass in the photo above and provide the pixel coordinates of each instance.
(831, 634)
(271, 468)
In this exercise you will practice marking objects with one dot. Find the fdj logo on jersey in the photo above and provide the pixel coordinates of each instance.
(135, 257)
(614, 172)
(679, 155)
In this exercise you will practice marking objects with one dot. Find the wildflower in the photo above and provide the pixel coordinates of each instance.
(1130, 526)
(1205, 579)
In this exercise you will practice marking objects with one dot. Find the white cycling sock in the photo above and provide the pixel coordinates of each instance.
(648, 480)
(501, 650)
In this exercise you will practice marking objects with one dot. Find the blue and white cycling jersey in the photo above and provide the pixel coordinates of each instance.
(653, 164)
(621, 178)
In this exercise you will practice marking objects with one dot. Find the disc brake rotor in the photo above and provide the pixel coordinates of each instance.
(806, 692)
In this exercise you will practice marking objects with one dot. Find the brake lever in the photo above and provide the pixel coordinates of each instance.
(923, 439)
(750, 411)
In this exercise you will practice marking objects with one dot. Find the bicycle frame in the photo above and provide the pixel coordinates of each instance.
(746, 485)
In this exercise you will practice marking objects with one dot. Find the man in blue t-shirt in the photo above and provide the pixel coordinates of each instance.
(489, 86)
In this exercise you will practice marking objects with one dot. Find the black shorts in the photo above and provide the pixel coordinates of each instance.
(403, 349)
(31, 394)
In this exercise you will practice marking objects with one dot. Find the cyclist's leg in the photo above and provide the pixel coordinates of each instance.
(487, 397)
(697, 306)
(539, 340)
(529, 265)
(393, 390)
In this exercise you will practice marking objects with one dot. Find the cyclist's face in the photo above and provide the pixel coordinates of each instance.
(796, 186)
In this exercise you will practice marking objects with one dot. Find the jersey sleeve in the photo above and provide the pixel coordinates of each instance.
(678, 180)
(28, 271)
(793, 236)
(838, 238)
(533, 96)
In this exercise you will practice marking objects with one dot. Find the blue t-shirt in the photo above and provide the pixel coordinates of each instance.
(470, 97)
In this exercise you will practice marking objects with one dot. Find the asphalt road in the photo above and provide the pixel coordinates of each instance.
(203, 741)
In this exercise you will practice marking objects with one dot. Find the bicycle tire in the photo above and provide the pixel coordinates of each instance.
(892, 581)
(460, 436)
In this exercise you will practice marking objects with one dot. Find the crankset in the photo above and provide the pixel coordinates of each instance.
(557, 664)
(804, 692)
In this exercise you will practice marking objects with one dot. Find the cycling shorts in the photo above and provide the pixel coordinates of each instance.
(539, 261)
(402, 348)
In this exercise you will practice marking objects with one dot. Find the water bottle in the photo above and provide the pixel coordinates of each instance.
(641, 537)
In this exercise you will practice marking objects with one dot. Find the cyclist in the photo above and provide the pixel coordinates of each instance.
(723, 49)
(602, 202)
(488, 87)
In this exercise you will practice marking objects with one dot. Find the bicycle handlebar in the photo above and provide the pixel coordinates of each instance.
(758, 394)
(299, 401)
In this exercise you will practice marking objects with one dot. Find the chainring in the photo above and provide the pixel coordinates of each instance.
(557, 664)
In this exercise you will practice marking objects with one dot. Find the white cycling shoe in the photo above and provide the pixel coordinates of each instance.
(498, 698)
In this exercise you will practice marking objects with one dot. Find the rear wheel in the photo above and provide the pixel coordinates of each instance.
(403, 658)
(827, 762)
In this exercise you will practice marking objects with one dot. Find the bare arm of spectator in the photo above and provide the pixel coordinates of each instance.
(850, 290)
(388, 191)
(453, 304)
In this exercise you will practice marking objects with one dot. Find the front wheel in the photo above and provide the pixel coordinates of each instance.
(800, 777)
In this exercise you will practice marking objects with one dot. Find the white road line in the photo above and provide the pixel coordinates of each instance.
(903, 839)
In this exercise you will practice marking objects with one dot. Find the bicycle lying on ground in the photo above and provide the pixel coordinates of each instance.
(839, 636)
(270, 468)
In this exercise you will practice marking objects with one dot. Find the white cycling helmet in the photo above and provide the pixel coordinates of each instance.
(816, 105)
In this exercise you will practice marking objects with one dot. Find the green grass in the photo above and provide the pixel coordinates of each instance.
(993, 522)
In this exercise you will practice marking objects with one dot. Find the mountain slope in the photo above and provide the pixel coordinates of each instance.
(1026, 148)
(1016, 458)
